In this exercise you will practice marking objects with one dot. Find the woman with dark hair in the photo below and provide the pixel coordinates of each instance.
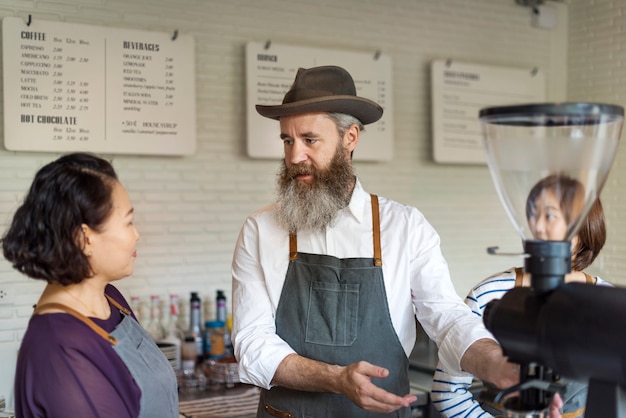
(551, 206)
(83, 353)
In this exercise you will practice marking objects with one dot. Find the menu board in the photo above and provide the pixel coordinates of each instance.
(460, 90)
(270, 72)
(74, 87)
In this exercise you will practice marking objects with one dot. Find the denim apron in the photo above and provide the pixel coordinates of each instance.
(145, 361)
(336, 311)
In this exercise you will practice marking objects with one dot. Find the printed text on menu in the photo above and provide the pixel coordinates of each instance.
(55, 84)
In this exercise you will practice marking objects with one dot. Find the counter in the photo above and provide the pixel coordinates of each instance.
(241, 402)
(219, 402)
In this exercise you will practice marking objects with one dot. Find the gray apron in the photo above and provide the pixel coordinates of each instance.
(145, 361)
(336, 311)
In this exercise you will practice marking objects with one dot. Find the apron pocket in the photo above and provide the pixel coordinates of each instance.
(332, 314)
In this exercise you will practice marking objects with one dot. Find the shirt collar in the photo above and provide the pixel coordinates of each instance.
(358, 202)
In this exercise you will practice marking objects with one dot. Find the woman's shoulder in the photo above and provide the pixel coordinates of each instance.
(59, 349)
(504, 280)
(56, 335)
(493, 287)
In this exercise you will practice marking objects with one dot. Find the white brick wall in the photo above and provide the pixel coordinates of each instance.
(189, 210)
(597, 73)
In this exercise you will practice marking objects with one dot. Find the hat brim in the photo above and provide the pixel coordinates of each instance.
(361, 108)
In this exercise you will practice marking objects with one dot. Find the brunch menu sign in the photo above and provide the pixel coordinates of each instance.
(72, 87)
(270, 71)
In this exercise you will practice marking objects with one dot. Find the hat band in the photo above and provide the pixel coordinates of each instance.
(305, 94)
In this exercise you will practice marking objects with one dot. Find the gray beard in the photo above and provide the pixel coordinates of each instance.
(311, 207)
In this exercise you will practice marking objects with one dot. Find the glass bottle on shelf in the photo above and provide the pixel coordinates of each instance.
(154, 326)
(135, 305)
(195, 323)
(183, 315)
(173, 323)
(220, 306)
(173, 336)
(189, 354)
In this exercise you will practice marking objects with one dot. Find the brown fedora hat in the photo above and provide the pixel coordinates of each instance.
(324, 89)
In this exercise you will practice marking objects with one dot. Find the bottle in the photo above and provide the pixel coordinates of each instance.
(183, 317)
(189, 354)
(220, 306)
(135, 305)
(173, 337)
(174, 323)
(214, 331)
(195, 322)
(206, 339)
(154, 326)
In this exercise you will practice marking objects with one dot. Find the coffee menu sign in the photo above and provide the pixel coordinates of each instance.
(74, 87)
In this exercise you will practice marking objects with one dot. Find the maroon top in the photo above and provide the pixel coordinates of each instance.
(65, 369)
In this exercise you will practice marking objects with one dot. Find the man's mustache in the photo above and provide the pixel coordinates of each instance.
(300, 170)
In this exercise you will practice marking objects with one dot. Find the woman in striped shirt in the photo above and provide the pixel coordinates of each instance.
(450, 390)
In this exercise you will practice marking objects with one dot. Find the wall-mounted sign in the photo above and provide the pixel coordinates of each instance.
(73, 87)
(270, 71)
(460, 90)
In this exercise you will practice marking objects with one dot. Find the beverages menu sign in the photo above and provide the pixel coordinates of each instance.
(72, 87)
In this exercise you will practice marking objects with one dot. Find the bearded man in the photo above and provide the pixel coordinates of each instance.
(328, 280)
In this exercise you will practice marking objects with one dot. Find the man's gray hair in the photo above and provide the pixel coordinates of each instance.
(343, 121)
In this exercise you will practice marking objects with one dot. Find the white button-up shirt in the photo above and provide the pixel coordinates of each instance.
(416, 276)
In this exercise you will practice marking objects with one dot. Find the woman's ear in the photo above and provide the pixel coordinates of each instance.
(83, 240)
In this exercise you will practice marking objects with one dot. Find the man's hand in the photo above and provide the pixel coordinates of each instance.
(356, 384)
(354, 381)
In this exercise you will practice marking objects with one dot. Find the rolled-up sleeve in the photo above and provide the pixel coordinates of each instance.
(439, 309)
(258, 349)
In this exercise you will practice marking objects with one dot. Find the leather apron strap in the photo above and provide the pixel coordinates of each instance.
(519, 277)
(589, 279)
(293, 247)
(378, 258)
(95, 327)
